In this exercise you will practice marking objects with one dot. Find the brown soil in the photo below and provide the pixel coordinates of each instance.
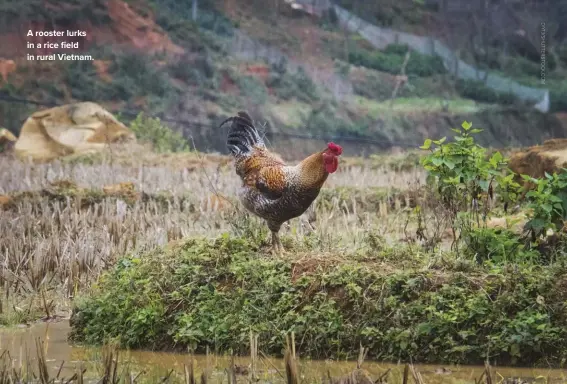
(127, 27)
(537, 160)
(6, 67)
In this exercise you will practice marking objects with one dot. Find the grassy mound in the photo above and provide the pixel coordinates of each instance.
(400, 303)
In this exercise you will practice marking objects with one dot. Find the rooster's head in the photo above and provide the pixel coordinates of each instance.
(331, 157)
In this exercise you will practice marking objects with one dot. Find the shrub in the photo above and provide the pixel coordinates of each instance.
(466, 180)
(518, 66)
(372, 87)
(288, 85)
(134, 75)
(216, 22)
(396, 49)
(558, 99)
(391, 59)
(83, 81)
(324, 121)
(497, 246)
(253, 88)
(477, 90)
(548, 201)
(562, 54)
(161, 137)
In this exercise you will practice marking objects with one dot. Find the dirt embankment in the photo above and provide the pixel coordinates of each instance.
(538, 160)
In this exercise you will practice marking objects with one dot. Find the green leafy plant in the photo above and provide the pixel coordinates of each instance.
(288, 85)
(161, 137)
(465, 179)
(477, 90)
(212, 292)
(497, 245)
(390, 60)
(548, 204)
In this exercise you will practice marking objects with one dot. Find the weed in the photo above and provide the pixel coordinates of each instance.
(390, 60)
(253, 88)
(288, 85)
(548, 203)
(465, 180)
(477, 90)
(212, 292)
(161, 137)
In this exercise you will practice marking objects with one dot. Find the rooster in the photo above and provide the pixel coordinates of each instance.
(271, 189)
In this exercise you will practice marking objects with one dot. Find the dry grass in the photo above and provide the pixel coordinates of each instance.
(53, 245)
(178, 173)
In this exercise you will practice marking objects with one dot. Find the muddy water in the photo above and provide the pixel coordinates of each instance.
(21, 344)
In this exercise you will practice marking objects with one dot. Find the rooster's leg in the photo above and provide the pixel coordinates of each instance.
(277, 247)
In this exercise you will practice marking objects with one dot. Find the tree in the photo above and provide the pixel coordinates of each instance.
(194, 10)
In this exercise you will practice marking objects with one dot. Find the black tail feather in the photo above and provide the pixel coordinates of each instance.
(242, 135)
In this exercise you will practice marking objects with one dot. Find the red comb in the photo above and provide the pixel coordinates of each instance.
(335, 148)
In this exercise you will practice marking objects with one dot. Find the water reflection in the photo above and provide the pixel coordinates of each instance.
(21, 344)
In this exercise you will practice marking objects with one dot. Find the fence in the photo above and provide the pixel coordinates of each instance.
(244, 47)
(382, 37)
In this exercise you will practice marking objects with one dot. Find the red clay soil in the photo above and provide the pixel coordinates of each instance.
(142, 32)
(6, 67)
(128, 27)
(101, 67)
(227, 85)
(260, 71)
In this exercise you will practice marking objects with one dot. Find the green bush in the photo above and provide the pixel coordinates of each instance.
(562, 54)
(477, 90)
(253, 88)
(84, 83)
(465, 180)
(287, 85)
(497, 246)
(200, 71)
(548, 201)
(324, 120)
(522, 67)
(214, 292)
(396, 49)
(161, 137)
(134, 75)
(216, 22)
(391, 59)
(373, 87)
(558, 99)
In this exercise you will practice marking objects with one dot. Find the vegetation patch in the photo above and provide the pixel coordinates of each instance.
(213, 292)
(497, 294)
(477, 90)
(161, 137)
(391, 59)
(64, 191)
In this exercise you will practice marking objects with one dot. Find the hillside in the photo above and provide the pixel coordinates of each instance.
(302, 75)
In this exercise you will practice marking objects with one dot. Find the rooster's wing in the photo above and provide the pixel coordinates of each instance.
(265, 172)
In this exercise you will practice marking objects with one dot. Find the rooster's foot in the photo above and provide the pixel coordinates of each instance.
(276, 248)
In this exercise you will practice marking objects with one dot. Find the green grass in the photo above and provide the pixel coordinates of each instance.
(399, 302)
(291, 113)
(414, 104)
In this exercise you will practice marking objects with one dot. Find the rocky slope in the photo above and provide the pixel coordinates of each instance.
(149, 55)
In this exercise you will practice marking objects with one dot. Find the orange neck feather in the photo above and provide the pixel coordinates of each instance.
(312, 171)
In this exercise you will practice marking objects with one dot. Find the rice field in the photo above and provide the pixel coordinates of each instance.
(74, 221)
